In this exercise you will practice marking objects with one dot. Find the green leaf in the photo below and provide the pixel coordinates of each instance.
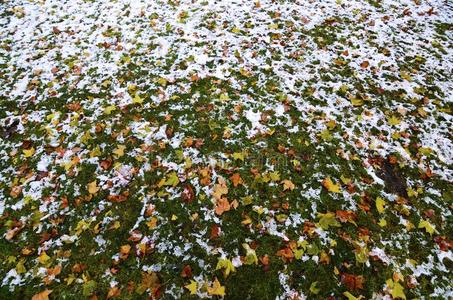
(314, 288)
(89, 287)
(328, 220)
(250, 256)
(172, 179)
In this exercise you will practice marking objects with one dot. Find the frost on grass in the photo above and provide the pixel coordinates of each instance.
(202, 149)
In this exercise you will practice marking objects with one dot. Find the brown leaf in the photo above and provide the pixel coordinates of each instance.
(186, 272)
(215, 232)
(116, 198)
(364, 64)
(188, 194)
(352, 282)
(106, 163)
(346, 216)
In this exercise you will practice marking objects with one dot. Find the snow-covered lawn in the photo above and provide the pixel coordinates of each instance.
(237, 149)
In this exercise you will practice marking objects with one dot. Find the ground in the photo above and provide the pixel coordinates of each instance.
(236, 149)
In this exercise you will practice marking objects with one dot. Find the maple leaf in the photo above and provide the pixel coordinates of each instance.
(186, 272)
(192, 287)
(380, 204)
(222, 206)
(188, 194)
(216, 289)
(286, 253)
(172, 179)
(393, 120)
(250, 255)
(428, 227)
(236, 179)
(92, 187)
(43, 258)
(113, 292)
(327, 220)
(288, 185)
(397, 290)
(227, 265)
(28, 152)
(149, 281)
(314, 288)
(44, 295)
(346, 216)
(220, 189)
(137, 99)
(351, 296)
(330, 186)
(124, 251)
(119, 151)
(352, 282)
(239, 156)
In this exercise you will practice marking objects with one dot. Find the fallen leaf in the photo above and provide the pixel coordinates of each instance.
(380, 204)
(226, 265)
(29, 152)
(288, 185)
(216, 289)
(92, 187)
(192, 287)
(330, 186)
(222, 206)
(427, 226)
(44, 295)
(236, 179)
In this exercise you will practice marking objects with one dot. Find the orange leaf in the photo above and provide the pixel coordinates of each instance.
(222, 206)
(44, 295)
(236, 179)
(113, 292)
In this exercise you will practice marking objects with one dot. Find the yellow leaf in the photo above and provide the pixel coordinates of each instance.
(275, 176)
(28, 152)
(44, 295)
(397, 290)
(108, 110)
(330, 186)
(356, 102)
(393, 121)
(192, 287)
(273, 26)
(137, 99)
(92, 187)
(216, 289)
(227, 265)
(43, 258)
(288, 185)
(428, 227)
(380, 204)
(20, 268)
(238, 155)
(250, 256)
(382, 222)
(119, 151)
(152, 223)
(351, 296)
